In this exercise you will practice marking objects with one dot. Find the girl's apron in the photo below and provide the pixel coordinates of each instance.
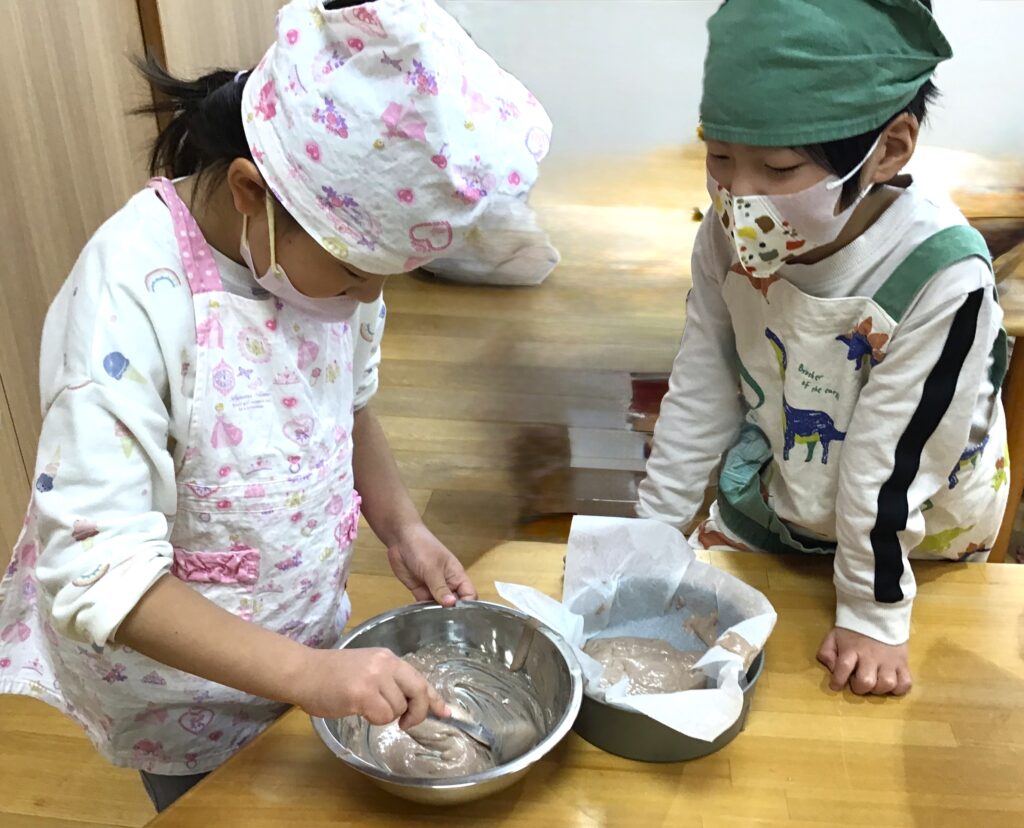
(803, 364)
(266, 517)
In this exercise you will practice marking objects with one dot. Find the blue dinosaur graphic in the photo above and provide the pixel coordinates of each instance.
(802, 425)
(968, 458)
(864, 345)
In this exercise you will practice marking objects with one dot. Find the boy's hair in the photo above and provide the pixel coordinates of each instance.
(840, 157)
(205, 133)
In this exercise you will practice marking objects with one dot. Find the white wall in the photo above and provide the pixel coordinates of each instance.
(624, 75)
(982, 104)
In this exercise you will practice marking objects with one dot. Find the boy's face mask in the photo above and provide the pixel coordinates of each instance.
(276, 281)
(769, 229)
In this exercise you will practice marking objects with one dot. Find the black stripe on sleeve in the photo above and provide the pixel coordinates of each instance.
(936, 396)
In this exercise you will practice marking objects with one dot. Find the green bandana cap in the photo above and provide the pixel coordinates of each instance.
(783, 73)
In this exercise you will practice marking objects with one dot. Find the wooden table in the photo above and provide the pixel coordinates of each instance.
(950, 754)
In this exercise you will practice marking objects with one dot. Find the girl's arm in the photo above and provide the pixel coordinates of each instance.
(419, 559)
(386, 503)
(178, 627)
(702, 411)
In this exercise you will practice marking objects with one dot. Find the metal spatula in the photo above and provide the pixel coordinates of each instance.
(474, 730)
(513, 737)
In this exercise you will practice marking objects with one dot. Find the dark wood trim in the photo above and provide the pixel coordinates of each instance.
(153, 41)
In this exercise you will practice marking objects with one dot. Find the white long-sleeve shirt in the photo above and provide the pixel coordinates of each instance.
(131, 492)
(702, 412)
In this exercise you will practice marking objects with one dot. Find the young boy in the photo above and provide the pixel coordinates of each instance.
(843, 349)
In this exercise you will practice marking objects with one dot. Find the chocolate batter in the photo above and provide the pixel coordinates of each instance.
(479, 686)
(737, 644)
(705, 627)
(650, 665)
(432, 749)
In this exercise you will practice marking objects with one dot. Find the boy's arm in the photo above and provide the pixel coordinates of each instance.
(702, 411)
(915, 417)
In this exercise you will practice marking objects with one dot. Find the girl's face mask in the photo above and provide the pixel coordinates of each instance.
(276, 281)
(769, 229)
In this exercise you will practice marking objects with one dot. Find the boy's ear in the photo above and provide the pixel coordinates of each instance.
(897, 146)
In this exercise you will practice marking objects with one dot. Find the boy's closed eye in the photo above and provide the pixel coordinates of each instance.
(783, 171)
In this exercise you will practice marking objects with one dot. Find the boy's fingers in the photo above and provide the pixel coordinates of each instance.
(903, 681)
(845, 664)
(886, 681)
(827, 652)
(865, 678)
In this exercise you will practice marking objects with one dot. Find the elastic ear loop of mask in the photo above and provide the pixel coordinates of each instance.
(840, 182)
(270, 232)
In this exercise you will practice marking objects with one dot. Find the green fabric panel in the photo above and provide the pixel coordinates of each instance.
(945, 248)
(936, 253)
(742, 506)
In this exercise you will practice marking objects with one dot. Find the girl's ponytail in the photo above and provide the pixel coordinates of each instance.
(205, 132)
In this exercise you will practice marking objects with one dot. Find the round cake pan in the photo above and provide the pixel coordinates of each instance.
(636, 736)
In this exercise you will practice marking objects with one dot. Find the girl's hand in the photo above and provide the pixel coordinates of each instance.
(372, 683)
(869, 666)
(428, 568)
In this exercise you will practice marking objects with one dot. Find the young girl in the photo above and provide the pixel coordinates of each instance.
(857, 315)
(206, 373)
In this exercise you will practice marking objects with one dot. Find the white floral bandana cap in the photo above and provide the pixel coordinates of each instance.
(386, 132)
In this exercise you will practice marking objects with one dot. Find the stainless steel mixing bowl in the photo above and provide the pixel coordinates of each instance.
(495, 630)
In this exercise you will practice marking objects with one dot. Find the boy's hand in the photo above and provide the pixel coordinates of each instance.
(869, 666)
(373, 683)
(428, 568)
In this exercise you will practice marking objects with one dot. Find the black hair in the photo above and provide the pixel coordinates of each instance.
(204, 133)
(842, 156)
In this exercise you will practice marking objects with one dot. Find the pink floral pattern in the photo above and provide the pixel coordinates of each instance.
(267, 106)
(378, 95)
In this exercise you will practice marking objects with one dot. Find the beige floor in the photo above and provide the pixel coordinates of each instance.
(501, 405)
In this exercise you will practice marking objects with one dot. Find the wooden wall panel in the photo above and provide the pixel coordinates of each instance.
(199, 35)
(70, 156)
(13, 483)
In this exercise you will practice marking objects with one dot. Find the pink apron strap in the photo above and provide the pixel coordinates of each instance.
(196, 257)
